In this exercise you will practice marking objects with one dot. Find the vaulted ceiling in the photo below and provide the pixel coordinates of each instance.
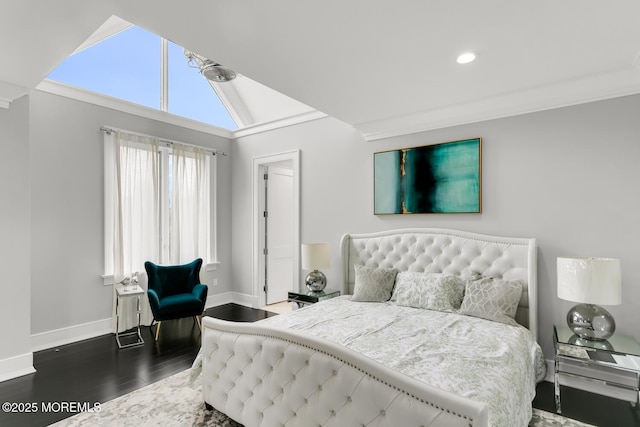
(383, 67)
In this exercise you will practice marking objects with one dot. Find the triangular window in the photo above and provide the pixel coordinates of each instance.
(128, 65)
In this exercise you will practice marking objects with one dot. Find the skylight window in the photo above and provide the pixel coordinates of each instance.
(128, 66)
(191, 95)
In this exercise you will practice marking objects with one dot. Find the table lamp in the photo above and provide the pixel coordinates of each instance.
(590, 281)
(314, 257)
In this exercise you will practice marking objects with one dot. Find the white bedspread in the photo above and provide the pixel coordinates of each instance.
(485, 361)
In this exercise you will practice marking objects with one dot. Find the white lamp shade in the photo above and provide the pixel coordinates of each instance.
(315, 256)
(590, 280)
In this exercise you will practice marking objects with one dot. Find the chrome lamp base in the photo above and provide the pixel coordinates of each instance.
(316, 281)
(591, 322)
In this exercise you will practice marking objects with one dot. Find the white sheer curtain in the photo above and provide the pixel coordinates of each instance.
(157, 208)
(136, 218)
(189, 212)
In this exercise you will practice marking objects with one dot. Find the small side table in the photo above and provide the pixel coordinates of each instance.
(128, 292)
(610, 368)
(307, 298)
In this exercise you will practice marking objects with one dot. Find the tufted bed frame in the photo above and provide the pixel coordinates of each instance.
(263, 376)
(448, 251)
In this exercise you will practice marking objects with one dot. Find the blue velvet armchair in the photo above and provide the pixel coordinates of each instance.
(175, 291)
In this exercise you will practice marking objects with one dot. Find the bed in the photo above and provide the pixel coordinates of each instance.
(437, 354)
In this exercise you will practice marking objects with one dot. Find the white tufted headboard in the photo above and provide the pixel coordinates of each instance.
(448, 251)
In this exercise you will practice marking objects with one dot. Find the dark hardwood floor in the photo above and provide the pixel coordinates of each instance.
(587, 407)
(95, 370)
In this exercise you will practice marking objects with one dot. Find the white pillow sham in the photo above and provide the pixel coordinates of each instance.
(432, 291)
(373, 284)
(492, 299)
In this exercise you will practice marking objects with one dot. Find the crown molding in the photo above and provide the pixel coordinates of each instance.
(280, 123)
(68, 91)
(10, 92)
(563, 94)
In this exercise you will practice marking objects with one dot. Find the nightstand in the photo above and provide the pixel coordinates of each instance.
(307, 298)
(610, 368)
(128, 292)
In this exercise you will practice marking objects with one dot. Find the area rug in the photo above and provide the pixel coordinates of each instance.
(176, 401)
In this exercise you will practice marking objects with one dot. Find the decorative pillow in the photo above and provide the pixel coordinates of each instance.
(373, 284)
(492, 299)
(433, 291)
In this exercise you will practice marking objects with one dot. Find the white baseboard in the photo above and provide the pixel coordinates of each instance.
(246, 300)
(218, 299)
(16, 366)
(231, 297)
(68, 335)
(58, 337)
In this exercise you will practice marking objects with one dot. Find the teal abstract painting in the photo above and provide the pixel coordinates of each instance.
(440, 178)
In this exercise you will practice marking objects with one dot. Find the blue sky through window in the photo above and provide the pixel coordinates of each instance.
(191, 95)
(127, 66)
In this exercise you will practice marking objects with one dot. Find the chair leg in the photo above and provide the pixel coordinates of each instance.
(158, 330)
(198, 322)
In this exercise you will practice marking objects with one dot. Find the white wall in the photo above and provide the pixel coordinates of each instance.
(568, 177)
(15, 347)
(68, 298)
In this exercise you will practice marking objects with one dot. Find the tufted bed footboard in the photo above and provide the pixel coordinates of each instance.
(261, 376)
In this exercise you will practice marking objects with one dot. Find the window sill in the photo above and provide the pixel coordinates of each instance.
(107, 279)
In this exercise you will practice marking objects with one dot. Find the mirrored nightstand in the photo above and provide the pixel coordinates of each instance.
(307, 298)
(610, 368)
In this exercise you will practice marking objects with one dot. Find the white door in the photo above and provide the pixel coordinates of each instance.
(278, 234)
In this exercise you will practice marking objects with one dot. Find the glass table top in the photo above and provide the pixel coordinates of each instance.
(617, 343)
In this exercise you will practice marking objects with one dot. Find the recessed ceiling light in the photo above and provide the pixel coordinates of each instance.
(466, 57)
